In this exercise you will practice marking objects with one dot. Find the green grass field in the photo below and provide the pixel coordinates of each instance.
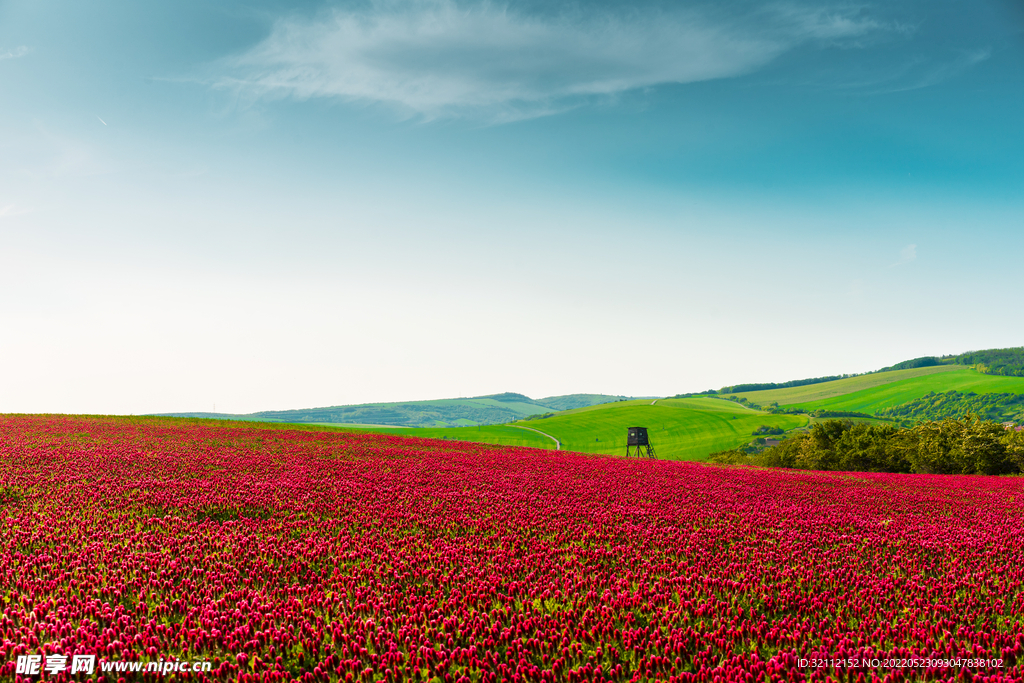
(840, 387)
(693, 428)
(505, 435)
(495, 409)
(680, 429)
(962, 379)
(869, 393)
(869, 420)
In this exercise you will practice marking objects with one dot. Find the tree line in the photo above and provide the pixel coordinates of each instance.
(1007, 362)
(965, 445)
(955, 404)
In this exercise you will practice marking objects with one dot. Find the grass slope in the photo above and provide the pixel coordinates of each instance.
(960, 379)
(571, 401)
(505, 435)
(841, 387)
(439, 412)
(680, 429)
(465, 412)
(869, 393)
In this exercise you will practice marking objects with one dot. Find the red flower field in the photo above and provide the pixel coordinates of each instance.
(283, 554)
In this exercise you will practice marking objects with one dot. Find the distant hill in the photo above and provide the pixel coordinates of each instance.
(1004, 362)
(1006, 407)
(988, 383)
(452, 412)
(573, 401)
(679, 429)
(873, 392)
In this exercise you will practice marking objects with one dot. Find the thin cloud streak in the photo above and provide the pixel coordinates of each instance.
(17, 52)
(907, 254)
(12, 210)
(936, 74)
(919, 74)
(438, 58)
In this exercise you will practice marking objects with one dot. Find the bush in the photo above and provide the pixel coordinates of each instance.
(955, 446)
(964, 446)
(767, 429)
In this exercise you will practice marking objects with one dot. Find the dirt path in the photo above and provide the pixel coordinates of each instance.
(558, 444)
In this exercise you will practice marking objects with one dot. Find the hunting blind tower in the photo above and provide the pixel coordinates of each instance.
(637, 439)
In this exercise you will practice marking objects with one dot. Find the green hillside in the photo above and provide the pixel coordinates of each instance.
(839, 387)
(956, 405)
(1009, 362)
(680, 429)
(506, 435)
(959, 379)
(571, 401)
(687, 427)
(464, 412)
(869, 393)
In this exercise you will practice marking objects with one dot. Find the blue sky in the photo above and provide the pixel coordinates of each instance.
(281, 205)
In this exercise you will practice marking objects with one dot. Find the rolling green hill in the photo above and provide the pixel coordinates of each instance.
(463, 412)
(687, 427)
(680, 429)
(505, 435)
(955, 405)
(869, 393)
(885, 396)
(839, 387)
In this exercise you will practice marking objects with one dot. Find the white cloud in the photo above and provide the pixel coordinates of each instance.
(440, 58)
(907, 254)
(922, 74)
(953, 68)
(11, 210)
(20, 51)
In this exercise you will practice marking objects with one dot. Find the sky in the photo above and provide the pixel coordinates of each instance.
(224, 206)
